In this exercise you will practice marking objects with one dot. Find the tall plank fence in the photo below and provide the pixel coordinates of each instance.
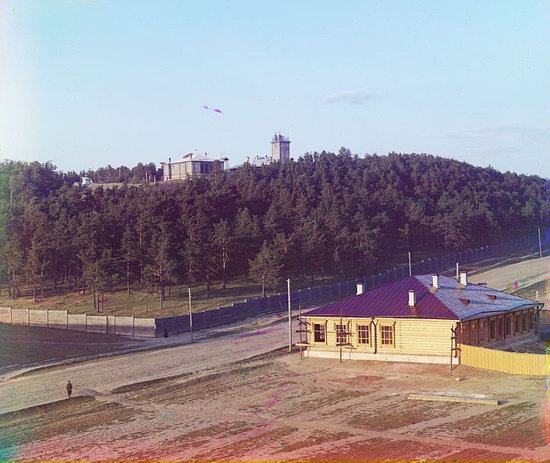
(61, 319)
(508, 362)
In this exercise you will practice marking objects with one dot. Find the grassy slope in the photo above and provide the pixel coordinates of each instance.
(142, 304)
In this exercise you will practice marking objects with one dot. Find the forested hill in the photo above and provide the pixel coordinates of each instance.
(322, 214)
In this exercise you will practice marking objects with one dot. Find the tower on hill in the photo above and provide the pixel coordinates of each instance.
(280, 148)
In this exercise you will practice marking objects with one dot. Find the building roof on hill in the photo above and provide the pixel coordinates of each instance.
(451, 300)
(198, 157)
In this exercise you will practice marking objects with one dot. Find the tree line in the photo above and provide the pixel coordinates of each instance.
(325, 214)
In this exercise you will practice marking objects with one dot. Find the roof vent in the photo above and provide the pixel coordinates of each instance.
(435, 281)
(492, 296)
(464, 300)
(412, 298)
(463, 278)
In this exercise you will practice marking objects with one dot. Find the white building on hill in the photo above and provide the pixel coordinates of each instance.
(191, 165)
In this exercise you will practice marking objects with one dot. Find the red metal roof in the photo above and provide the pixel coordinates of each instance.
(445, 302)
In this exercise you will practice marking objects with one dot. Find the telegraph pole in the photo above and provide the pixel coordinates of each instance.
(540, 245)
(190, 316)
(289, 317)
(410, 265)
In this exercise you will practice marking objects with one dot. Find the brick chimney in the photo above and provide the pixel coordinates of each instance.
(463, 278)
(435, 281)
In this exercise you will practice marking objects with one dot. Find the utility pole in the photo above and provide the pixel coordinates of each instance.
(540, 244)
(289, 316)
(190, 316)
(410, 265)
(457, 273)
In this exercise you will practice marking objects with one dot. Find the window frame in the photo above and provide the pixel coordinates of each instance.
(363, 335)
(338, 330)
(493, 332)
(384, 330)
(321, 332)
(517, 324)
(508, 325)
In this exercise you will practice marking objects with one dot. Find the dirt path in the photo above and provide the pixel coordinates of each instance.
(105, 374)
(515, 276)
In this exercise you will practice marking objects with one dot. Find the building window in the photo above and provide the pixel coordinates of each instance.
(492, 329)
(509, 325)
(531, 320)
(501, 327)
(474, 333)
(465, 333)
(525, 321)
(386, 335)
(205, 167)
(341, 334)
(363, 334)
(518, 323)
(318, 332)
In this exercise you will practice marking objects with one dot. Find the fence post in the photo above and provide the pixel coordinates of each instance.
(86, 323)
(133, 325)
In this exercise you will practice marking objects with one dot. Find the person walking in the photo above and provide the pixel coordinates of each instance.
(69, 389)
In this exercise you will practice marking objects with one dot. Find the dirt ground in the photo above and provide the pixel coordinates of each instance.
(278, 407)
(23, 346)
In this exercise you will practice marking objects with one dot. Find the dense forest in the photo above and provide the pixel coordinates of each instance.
(323, 214)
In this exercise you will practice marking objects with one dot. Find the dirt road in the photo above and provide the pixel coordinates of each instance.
(515, 276)
(103, 375)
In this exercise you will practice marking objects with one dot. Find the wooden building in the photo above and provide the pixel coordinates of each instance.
(422, 318)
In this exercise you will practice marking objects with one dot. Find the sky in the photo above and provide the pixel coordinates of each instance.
(86, 83)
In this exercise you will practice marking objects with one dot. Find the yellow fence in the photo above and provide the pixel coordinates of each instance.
(507, 362)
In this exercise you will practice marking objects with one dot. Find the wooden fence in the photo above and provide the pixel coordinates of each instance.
(508, 362)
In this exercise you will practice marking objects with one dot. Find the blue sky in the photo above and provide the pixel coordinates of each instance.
(86, 83)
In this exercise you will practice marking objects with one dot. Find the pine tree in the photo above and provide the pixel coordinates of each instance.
(223, 241)
(265, 268)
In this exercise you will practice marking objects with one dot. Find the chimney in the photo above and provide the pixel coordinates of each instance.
(435, 281)
(412, 298)
(463, 278)
(360, 287)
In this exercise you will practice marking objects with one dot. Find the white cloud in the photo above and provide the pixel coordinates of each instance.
(353, 97)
